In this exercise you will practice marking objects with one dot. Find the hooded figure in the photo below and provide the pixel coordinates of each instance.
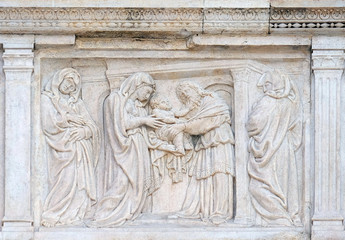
(73, 147)
(128, 178)
(275, 131)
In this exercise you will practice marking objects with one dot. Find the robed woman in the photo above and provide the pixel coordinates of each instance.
(128, 179)
(275, 131)
(73, 141)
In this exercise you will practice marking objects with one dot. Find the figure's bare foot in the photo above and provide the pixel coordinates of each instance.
(47, 224)
(217, 220)
(297, 222)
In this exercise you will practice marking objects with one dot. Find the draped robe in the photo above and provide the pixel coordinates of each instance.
(128, 178)
(71, 165)
(274, 128)
(210, 190)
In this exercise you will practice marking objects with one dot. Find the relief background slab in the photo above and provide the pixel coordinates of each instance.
(104, 70)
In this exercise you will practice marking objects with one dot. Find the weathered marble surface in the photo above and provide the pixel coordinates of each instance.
(110, 71)
(174, 120)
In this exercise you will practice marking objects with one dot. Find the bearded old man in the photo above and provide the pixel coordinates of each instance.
(210, 191)
(275, 132)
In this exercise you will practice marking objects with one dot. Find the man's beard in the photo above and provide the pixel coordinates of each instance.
(193, 103)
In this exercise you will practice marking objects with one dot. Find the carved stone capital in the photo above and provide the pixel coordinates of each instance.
(328, 60)
(18, 55)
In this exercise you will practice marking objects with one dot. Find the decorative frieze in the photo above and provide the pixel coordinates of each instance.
(307, 18)
(78, 20)
(197, 20)
(236, 20)
(100, 19)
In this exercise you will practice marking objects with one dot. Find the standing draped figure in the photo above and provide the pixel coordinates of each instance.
(275, 132)
(128, 178)
(73, 141)
(210, 191)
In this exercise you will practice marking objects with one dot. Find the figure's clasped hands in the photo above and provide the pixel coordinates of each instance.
(77, 134)
(75, 119)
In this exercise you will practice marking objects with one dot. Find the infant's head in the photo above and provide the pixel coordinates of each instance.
(160, 102)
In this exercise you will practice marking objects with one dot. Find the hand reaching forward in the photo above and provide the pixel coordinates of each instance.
(153, 122)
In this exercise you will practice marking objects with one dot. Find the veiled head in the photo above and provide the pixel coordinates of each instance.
(135, 81)
(65, 82)
(275, 84)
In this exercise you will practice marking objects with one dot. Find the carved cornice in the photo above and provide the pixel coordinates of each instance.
(307, 18)
(196, 20)
(78, 20)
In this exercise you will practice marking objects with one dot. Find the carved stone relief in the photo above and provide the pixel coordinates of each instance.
(275, 130)
(210, 191)
(167, 152)
(73, 141)
(172, 119)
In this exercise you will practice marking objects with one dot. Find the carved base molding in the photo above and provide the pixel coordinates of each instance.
(173, 233)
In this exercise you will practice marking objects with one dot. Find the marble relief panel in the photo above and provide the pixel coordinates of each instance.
(154, 141)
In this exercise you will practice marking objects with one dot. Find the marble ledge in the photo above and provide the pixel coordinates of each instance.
(272, 40)
(55, 39)
(329, 42)
(172, 233)
(128, 43)
(163, 44)
(198, 40)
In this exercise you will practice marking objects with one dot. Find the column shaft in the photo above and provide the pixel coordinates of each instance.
(328, 66)
(18, 68)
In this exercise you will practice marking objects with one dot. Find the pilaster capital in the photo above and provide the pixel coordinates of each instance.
(328, 60)
(328, 53)
(18, 54)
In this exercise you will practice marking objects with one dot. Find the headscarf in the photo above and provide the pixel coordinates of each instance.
(282, 87)
(136, 81)
(52, 88)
